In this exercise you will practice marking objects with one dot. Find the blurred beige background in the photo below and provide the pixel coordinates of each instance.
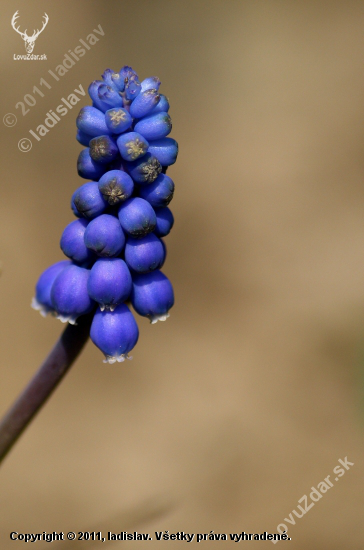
(250, 393)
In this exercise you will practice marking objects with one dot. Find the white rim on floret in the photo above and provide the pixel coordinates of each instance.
(105, 307)
(67, 319)
(43, 310)
(155, 318)
(119, 358)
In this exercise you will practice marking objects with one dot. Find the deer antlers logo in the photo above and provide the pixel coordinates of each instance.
(29, 40)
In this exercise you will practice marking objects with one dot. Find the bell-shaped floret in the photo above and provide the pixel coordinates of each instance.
(152, 296)
(165, 150)
(159, 193)
(137, 217)
(162, 105)
(115, 333)
(118, 82)
(69, 295)
(110, 96)
(145, 254)
(42, 300)
(109, 283)
(145, 169)
(116, 186)
(132, 89)
(152, 82)
(92, 122)
(93, 91)
(73, 243)
(132, 146)
(103, 149)
(88, 201)
(127, 73)
(144, 103)
(104, 236)
(154, 126)
(88, 168)
(108, 76)
(118, 120)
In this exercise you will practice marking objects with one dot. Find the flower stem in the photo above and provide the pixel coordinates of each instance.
(43, 383)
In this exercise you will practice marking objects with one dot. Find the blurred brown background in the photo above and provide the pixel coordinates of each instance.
(250, 393)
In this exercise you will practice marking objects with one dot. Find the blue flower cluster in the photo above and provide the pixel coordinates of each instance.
(115, 245)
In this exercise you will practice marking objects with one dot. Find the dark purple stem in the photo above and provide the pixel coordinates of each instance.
(43, 383)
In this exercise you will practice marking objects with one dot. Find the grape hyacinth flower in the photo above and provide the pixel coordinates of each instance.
(114, 245)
